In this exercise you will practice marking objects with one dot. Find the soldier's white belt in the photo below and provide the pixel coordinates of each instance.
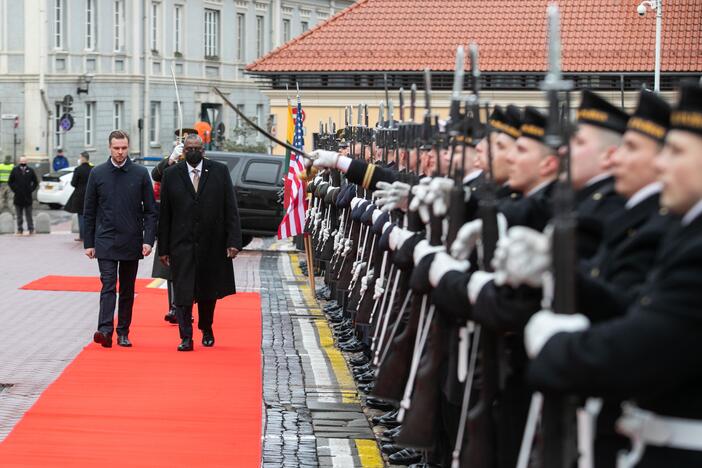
(652, 429)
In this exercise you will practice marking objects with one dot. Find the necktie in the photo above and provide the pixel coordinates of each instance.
(196, 179)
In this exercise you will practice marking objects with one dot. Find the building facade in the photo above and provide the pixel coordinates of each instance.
(110, 64)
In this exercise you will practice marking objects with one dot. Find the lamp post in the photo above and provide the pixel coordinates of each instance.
(656, 5)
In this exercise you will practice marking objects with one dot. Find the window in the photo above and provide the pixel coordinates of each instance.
(59, 23)
(286, 30)
(305, 26)
(154, 123)
(117, 113)
(58, 133)
(259, 36)
(90, 25)
(119, 25)
(155, 31)
(211, 33)
(241, 35)
(89, 123)
(178, 29)
(261, 173)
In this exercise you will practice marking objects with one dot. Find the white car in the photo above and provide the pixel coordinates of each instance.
(55, 188)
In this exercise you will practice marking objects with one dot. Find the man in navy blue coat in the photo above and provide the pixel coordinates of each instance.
(120, 229)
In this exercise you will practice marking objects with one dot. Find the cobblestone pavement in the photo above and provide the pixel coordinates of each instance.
(311, 413)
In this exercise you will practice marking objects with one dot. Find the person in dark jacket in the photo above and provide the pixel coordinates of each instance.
(199, 234)
(80, 182)
(23, 182)
(120, 229)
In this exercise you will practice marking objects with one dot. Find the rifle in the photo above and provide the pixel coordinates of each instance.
(558, 415)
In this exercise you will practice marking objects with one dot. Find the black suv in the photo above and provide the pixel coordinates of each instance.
(258, 181)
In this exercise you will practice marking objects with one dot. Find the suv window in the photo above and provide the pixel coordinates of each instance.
(258, 172)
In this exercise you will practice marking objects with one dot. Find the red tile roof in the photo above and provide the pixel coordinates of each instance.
(410, 35)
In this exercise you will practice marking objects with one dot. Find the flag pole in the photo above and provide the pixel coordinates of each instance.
(310, 258)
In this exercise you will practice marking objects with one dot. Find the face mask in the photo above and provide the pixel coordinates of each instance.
(193, 156)
(23, 165)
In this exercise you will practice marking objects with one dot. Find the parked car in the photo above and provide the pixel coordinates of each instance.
(55, 188)
(258, 182)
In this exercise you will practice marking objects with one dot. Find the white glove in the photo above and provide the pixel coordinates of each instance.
(387, 225)
(379, 289)
(437, 198)
(324, 158)
(422, 249)
(522, 257)
(359, 266)
(364, 282)
(398, 237)
(392, 196)
(442, 264)
(470, 235)
(544, 324)
(420, 192)
(355, 201)
(466, 239)
(348, 243)
(175, 154)
(477, 282)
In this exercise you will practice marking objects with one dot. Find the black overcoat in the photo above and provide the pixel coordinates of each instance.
(76, 201)
(195, 229)
(120, 211)
(23, 182)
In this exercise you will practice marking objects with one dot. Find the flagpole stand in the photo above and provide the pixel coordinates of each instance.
(310, 265)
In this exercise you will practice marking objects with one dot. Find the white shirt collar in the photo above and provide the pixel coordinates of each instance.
(692, 214)
(472, 176)
(597, 178)
(538, 187)
(643, 193)
(191, 169)
(118, 165)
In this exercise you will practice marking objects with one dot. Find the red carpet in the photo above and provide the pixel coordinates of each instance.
(77, 284)
(150, 406)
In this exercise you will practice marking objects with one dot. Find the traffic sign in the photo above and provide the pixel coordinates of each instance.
(66, 122)
(8, 116)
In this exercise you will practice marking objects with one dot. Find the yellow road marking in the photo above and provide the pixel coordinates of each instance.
(368, 453)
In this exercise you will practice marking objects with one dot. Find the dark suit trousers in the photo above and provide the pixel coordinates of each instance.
(109, 270)
(205, 312)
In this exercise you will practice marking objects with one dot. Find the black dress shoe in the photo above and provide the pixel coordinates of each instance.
(122, 340)
(104, 339)
(389, 449)
(392, 433)
(405, 457)
(170, 317)
(359, 361)
(208, 339)
(186, 345)
(377, 403)
(390, 415)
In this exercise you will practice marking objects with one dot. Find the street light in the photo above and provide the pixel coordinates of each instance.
(84, 79)
(656, 5)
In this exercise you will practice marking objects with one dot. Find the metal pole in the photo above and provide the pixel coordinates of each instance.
(659, 25)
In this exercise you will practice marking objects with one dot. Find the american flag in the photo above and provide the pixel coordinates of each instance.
(293, 222)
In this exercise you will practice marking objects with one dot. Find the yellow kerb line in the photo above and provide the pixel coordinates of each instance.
(368, 453)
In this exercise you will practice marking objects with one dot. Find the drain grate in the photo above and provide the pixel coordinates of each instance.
(5, 386)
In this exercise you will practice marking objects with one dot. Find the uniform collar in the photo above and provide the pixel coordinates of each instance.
(538, 187)
(472, 176)
(598, 178)
(643, 193)
(692, 214)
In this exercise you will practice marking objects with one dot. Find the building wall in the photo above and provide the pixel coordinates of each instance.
(322, 105)
(31, 66)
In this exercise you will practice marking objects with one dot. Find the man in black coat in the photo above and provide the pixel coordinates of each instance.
(23, 182)
(120, 229)
(80, 183)
(199, 234)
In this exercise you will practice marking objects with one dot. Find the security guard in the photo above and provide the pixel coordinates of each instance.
(5, 170)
